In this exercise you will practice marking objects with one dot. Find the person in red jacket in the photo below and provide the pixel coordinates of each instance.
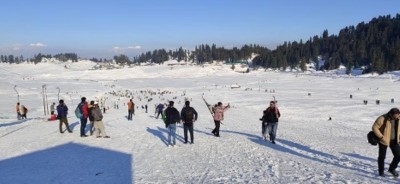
(85, 114)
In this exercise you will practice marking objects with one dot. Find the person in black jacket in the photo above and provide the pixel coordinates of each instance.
(91, 118)
(172, 117)
(62, 112)
(188, 116)
(272, 116)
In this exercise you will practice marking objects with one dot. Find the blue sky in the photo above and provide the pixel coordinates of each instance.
(104, 28)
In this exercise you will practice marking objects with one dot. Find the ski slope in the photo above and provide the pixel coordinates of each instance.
(309, 149)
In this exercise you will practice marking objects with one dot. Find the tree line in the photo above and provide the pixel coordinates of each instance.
(374, 45)
(37, 58)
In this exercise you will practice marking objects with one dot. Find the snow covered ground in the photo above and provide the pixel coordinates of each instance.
(309, 149)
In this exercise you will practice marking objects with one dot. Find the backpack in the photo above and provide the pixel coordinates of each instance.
(188, 114)
(78, 111)
(175, 117)
(372, 138)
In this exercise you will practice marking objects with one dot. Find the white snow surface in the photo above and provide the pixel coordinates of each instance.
(309, 149)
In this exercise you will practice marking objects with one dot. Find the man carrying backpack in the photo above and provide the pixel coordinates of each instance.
(188, 116)
(83, 115)
(386, 128)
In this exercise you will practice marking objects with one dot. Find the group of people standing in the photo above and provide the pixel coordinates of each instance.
(188, 116)
(84, 111)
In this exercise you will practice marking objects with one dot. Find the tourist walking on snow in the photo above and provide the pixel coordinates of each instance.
(131, 109)
(172, 117)
(99, 129)
(188, 116)
(159, 109)
(62, 112)
(52, 108)
(218, 111)
(386, 128)
(85, 114)
(91, 118)
(272, 117)
(17, 109)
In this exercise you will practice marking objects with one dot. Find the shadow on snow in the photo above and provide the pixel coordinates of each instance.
(14, 123)
(159, 132)
(311, 154)
(68, 163)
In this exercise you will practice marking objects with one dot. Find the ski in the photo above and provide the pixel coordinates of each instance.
(209, 106)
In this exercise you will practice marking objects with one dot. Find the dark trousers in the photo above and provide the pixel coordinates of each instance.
(216, 129)
(188, 126)
(158, 114)
(130, 112)
(382, 154)
(64, 121)
(83, 125)
(263, 128)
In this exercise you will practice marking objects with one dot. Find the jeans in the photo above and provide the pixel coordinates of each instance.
(382, 154)
(83, 126)
(188, 126)
(172, 134)
(272, 128)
